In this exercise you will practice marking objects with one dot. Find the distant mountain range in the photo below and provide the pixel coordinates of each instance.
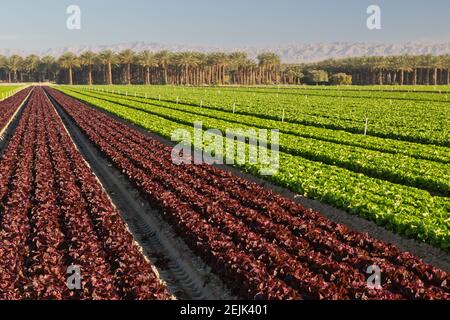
(292, 53)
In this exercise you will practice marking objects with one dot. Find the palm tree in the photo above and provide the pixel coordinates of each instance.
(210, 68)
(127, 57)
(69, 61)
(108, 58)
(406, 65)
(433, 66)
(358, 69)
(380, 65)
(13, 64)
(164, 60)
(218, 62)
(366, 70)
(392, 66)
(237, 62)
(48, 65)
(147, 60)
(438, 65)
(270, 63)
(3, 62)
(186, 61)
(442, 65)
(414, 63)
(222, 62)
(446, 65)
(262, 65)
(426, 65)
(202, 60)
(30, 65)
(183, 62)
(88, 59)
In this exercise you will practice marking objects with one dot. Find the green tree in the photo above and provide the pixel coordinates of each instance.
(341, 79)
(186, 61)
(270, 65)
(88, 59)
(218, 62)
(3, 63)
(127, 58)
(13, 64)
(48, 67)
(108, 58)
(292, 74)
(237, 62)
(446, 65)
(69, 61)
(164, 59)
(30, 65)
(147, 60)
(317, 76)
(380, 65)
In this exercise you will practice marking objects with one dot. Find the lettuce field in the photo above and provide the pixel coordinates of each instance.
(88, 182)
(395, 171)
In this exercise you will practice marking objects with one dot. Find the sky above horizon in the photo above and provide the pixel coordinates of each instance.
(41, 25)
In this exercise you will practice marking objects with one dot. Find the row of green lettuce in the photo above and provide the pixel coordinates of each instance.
(441, 94)
(398, 168)
(422, 122)
(372, 106)
(406, 210)
(6, 91)
(416, 150)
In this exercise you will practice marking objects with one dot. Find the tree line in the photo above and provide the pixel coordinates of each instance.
(401, 70)
(128, 67)
(195, 68)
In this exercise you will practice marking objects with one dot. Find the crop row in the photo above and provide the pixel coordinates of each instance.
(398, 168)
(7, 91)
(54, 215)
(406, 210)
(9, 106)
(398, 93)
(246, 238)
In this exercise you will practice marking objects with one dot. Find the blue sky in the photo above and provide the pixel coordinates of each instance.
(39, 25)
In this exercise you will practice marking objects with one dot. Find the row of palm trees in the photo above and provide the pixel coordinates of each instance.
(195, 68)
(402, 70)
(127, 67)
